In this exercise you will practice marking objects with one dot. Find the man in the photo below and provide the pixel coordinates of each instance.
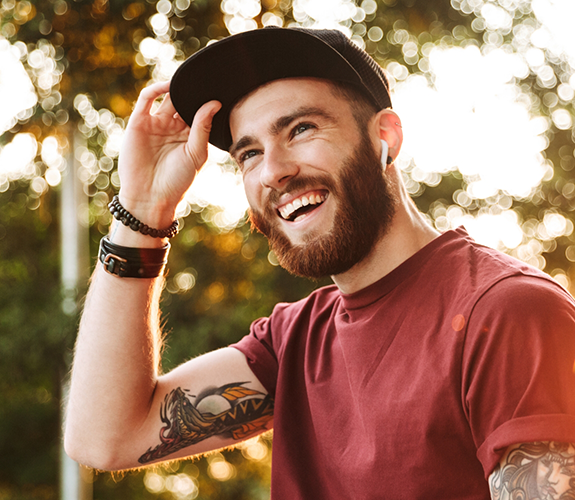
(416, 375)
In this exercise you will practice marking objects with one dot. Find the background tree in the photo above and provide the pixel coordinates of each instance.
(87, 61)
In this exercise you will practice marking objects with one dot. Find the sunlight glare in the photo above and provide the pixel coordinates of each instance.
(219, 468)
(472, 120)
(218, 186)
(496, 18)
(254, 449)
(557, 18)
(52, 156)
(500, 231)
(52, 153)
(16, 90)
(554, 225)
(239, 15)
(153, 482)
(324, 13)
(17, 156)
(181, 486)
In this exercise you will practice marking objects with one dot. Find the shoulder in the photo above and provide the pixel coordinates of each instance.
(290, 318)
(475, 273)
(521, 296)
(517, 365)
(520, 341)
(522, 327)
(528, 312)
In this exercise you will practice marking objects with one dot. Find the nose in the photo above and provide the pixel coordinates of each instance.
(554, 473)
(278, 168)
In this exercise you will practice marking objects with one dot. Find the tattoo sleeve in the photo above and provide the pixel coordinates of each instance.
(231, 411)
(535, 471)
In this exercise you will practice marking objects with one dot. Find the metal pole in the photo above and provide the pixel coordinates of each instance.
(75, 481)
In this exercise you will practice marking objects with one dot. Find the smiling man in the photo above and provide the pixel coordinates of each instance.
(432, 368)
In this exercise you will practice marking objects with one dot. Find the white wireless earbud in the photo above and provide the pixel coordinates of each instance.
(385, 159)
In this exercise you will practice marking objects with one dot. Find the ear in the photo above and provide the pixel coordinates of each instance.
(387, 127)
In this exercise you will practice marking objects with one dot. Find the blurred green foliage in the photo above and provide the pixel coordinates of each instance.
(35, 337)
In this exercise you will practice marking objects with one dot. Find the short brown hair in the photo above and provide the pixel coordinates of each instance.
(362, 107)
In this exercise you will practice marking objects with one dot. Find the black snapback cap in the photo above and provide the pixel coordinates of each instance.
(231, 68)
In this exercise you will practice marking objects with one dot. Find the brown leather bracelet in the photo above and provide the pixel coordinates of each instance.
(128, 262)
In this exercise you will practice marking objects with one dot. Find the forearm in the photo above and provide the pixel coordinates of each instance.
(116, 360)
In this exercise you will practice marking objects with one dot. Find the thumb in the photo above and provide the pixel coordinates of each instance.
(197, 145)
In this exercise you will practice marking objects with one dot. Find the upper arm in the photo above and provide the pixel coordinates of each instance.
(542, 470)
(209, 402)
(518, 380)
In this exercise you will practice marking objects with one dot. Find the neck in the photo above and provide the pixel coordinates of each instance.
(408, 233)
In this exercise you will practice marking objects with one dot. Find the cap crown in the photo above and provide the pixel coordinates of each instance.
(233, 67)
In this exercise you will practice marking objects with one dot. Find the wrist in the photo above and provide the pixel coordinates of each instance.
(129, 262)
(124, 236)
(128, 229)
(152, 212)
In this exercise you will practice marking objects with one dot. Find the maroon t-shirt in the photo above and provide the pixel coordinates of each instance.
(412, 387)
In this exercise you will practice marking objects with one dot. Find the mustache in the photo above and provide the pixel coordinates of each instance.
(300, 183)
(261, 220)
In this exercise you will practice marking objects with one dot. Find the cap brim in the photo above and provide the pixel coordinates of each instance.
(229, 69)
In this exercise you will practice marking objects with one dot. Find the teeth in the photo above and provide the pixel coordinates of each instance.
(304, 201)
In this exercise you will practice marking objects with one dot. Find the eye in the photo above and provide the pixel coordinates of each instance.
(246, 155)
(300, 128)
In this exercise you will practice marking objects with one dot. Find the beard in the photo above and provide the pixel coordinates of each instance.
(365, 208)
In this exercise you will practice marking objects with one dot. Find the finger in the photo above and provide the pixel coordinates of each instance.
(147, 97)
(166, 107)
(180, 119)
(197, 145)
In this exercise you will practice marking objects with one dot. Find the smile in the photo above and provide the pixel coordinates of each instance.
(301, 206)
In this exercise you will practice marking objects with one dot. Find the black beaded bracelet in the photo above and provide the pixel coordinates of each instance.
(126, 218)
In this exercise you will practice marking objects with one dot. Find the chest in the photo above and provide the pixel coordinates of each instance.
(382, 399)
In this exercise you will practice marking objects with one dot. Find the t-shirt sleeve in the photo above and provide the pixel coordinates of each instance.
(257, 347)
(518, 367)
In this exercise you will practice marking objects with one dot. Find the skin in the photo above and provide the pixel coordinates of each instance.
(542, 471)
(553, 478)
(308, 140)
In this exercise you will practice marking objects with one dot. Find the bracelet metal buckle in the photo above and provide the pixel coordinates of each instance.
(114, 265)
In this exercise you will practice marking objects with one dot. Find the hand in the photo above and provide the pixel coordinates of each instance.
(161, 155)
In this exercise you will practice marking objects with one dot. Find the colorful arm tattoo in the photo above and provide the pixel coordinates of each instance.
(538, 471)
(231, 411)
